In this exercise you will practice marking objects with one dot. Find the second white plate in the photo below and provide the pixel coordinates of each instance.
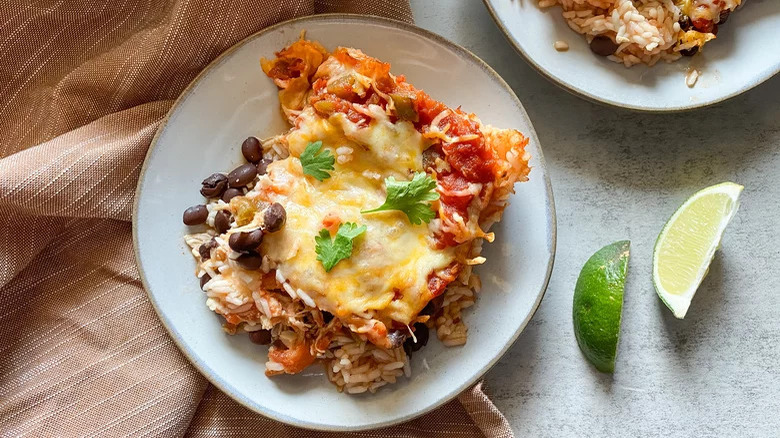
(745, 54)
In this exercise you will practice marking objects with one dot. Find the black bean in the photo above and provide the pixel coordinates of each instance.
(261, 337)
(603, 46)
(246, 241)
(262, 166)
(230, 194)
(685, 23)
(205, 249)
(327, 316)
(251, 150)
(242, 175)
(724, 16)
(195, 215)
(429, 309)
(274, 217)
(396, 337)
(214, 185)
(222, 221)
(408, 348)
(251, 261)
(690, 52)
(421, 333)
(204, 279)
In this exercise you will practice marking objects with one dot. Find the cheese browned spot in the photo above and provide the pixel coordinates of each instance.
(386, 276)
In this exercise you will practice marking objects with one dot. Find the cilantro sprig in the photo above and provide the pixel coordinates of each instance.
(315, 162)
(411, 197)
(330, 252)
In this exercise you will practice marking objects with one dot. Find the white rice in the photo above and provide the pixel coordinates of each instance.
(646, 30)
(561, 46)
(691, 77)
(356, 366)
(344, 154)
(450, 328)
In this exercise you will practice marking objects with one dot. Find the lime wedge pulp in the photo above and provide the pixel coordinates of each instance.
(598, 304)
(688, 242)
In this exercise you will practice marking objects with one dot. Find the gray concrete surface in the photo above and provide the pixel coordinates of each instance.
(619, 175)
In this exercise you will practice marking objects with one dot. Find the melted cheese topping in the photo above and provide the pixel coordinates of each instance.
(386, 277)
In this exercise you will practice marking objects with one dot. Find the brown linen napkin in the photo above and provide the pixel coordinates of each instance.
(83, 87)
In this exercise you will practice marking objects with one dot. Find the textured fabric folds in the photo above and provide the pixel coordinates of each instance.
(84, 85)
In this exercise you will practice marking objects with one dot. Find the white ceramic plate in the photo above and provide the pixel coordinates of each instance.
(233, 99)
(745, 54)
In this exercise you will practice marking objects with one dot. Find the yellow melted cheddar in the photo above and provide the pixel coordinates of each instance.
(388, 271)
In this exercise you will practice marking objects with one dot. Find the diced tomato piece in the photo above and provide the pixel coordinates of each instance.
(295, 359)
(438, 281)
(427, 108)
(703, 25)
(472, 159)
(454, 182)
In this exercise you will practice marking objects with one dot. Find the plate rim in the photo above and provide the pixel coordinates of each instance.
(211, 376)
(602, 101)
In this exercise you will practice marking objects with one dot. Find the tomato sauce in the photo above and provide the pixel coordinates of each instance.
(472, 158)
(251, 315)
(471, 161)
(438, 281)
(284, 69)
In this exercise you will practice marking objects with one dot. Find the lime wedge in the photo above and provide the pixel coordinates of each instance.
(688, 242)
(598, 304)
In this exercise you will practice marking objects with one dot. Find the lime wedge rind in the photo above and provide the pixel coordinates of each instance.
(679, 303)
(598, 303)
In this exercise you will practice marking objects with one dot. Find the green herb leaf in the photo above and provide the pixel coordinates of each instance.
(316, 162)
(329, 252)
(412, 197)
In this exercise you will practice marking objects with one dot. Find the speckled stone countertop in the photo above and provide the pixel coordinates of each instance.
(617, 175)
